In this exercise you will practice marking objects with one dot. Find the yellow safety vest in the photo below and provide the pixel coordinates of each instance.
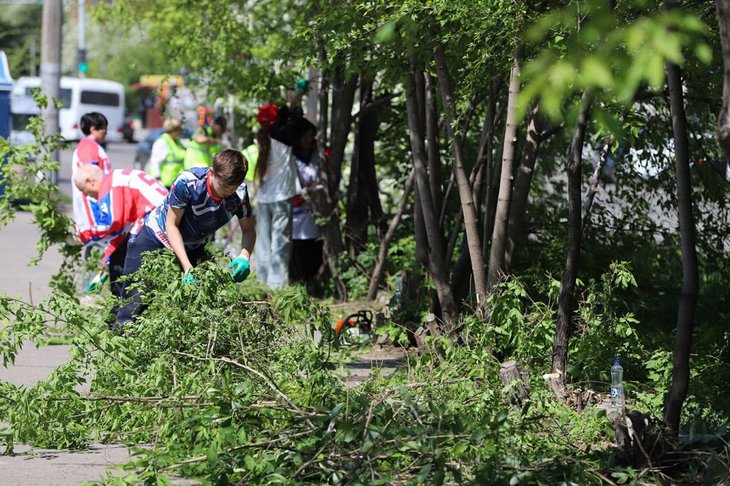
(197, 155)
(173, 163)
(252, 155)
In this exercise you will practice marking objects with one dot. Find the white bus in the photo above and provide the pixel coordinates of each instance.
(80, 96)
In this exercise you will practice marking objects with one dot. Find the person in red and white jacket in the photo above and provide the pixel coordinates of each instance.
(88, 151)
(118, 202)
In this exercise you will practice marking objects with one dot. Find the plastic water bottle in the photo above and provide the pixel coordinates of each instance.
(617, 385)
(398, 287)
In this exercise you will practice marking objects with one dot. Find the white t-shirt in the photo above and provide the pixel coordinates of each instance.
(157, 157)
(304, 225)
(279, 182)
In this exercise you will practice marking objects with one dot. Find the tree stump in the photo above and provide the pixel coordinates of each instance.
(515, 382)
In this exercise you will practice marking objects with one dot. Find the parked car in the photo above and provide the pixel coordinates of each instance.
(144, 147)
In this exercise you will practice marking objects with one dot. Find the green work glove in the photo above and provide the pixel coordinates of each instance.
(96, 283)
(241, 268)
(302, 86)
(189, 279)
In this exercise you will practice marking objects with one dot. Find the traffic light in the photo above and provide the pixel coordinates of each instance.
(82, 65)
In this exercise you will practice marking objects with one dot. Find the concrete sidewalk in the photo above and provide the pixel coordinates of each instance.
(28, 466)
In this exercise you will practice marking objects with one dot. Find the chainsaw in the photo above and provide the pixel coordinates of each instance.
(356, 326)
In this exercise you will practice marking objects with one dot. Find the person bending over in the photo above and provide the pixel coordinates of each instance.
(119, 201)
(201, 200)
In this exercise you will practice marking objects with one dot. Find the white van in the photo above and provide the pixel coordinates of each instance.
(22, 108)
(80, 96)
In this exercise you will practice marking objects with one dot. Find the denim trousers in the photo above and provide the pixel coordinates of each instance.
(273, 243)
(132, 298)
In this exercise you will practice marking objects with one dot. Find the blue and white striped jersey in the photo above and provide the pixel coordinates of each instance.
(203, 213)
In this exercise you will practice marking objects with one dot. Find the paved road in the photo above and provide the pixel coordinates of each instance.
(17, 247)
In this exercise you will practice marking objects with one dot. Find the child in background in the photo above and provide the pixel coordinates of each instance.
(306, 258)
(88, 151)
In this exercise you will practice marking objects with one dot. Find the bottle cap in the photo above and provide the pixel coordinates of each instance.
(616, 361)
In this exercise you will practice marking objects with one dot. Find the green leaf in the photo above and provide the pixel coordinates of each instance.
(703, 53)
(595, 72)
(386, 33)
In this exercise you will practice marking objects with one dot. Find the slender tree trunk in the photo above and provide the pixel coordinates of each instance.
(421, 261)
(437, 265)
(415, 280)
(471, 222)
(723, 118)
(501, 217)
(490, 202)
(521, 190)
(492, 184)
(323, 119)
(363, 200)
(475, 183)
(343, 98)
(595, 179)
(327, 207)
(677, 393)
(462, 269)
(432, 141)
(380, 261)
(566, 300)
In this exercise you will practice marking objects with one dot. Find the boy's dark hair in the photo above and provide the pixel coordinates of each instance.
(230, 167)
(93, 119)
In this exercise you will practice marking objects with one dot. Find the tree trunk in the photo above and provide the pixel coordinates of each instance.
(380, 262)
(432, 142)
(363, 200)
(471, 222)
(343, 97)
(437, 265)
(595, 179)
(723, 118)
(419, 227)
(461, 274)
(492, 184)
(521, 189)
(501, 217)
(327, 206)
(566, 300)
(677, 393)
(421, 261)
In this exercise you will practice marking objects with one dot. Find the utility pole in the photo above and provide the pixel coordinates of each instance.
(51, 67)
(32, 71)
(82, 66)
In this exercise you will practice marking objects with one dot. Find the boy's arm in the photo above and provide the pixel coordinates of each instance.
(248, 236)
(172, 226)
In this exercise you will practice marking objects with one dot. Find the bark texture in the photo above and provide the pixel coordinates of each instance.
(471, 222)
(437, 265)
(521, 189)
(677, 393)
(723, 118)
(501, 216)
(566, 300)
